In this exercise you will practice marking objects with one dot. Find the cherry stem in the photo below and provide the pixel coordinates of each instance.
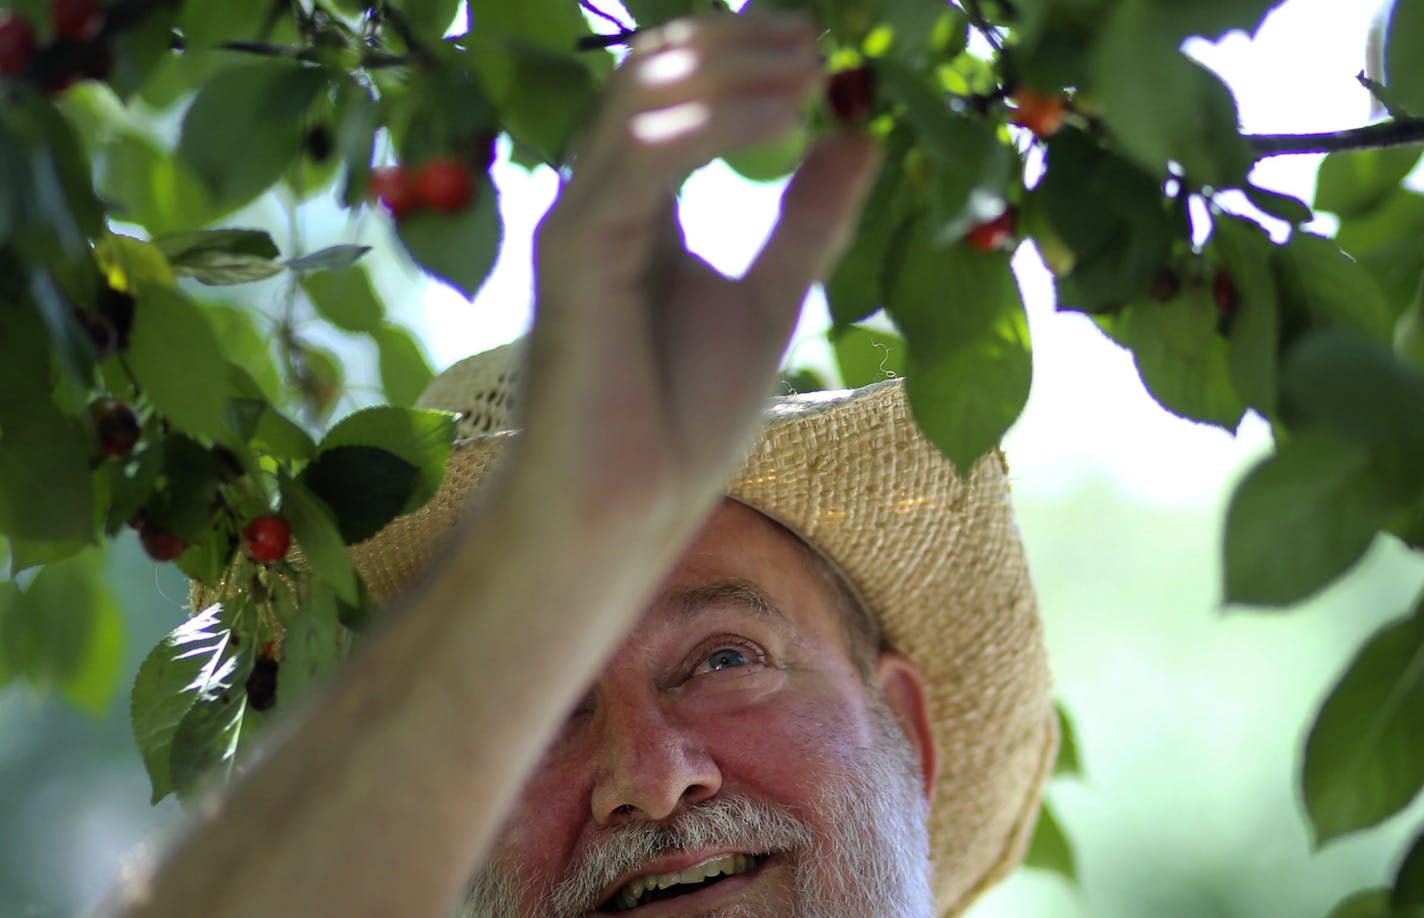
(1396, 132)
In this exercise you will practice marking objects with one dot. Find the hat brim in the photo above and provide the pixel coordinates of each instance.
(938, 562)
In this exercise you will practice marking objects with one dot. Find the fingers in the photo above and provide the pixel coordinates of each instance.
(696, 88)
(818, 214)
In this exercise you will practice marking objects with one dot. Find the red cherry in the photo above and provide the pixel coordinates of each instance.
(75, 20)
(1223, 291)
(444, 185)
(160, 544)
(1039, 113)
(850, 94)
(267, 538)
(261, 686)
(396, 190)
(117, 426)
(17, 43)
(1164, 285)
(993, 235)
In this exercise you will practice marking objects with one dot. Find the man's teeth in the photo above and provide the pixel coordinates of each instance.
(729, 864)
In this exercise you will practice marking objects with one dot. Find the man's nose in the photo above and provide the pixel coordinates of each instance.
(647, 764)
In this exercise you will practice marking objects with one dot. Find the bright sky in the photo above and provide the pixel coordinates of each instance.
(1088, 416)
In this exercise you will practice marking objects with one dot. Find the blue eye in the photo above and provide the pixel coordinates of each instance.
(725, 658)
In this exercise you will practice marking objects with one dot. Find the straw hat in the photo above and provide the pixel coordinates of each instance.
(936, 559)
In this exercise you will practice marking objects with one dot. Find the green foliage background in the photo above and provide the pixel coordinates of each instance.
(127, 207)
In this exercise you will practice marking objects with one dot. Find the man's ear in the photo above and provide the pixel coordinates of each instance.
(903, 688)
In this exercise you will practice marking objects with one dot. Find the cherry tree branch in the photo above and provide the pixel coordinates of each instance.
(1397, 132)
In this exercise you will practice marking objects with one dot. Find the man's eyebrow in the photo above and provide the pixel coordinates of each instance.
(687, 602)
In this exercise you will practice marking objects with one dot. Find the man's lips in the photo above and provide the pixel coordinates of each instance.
(688, 870)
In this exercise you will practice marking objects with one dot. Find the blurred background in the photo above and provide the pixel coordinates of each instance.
(1190, 717)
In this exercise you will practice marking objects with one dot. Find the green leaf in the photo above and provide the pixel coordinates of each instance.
(1282, 206)
(1163, 106)
(212, 22)
(64, 633)
(551, 24)
(220, 257)
(1368, 903)
(1067, 762)
(1354, 388)
(169, 681)
(331, 258)
(867, 355)
(1182, 360)
(357, 118)
(970, 366)
(189, 247)
(311, 648)
(281, 437)
(460, 249)
(346, 299)
(542, 97)
(656, 12)
(1049, 848)
(1354, 182)
(429, 19)
(151, 188)
(967, 401)
(191, 475)
(800, 379)
(1409, 880)
(178, 362)
(247, 346)
(1364, 759)
(365, 486)
(316, 533)
(1254, 340)
(972, 166)
(404, 370)
(1111, 215)
(1299, 519)
(245, 127)
(419, 436)
(45, 489)
(856, 287)
(1399, 216)
(1403, 64)
(205, 742)
(1320, 282)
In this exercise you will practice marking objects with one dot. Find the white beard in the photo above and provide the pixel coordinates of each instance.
(874, 862)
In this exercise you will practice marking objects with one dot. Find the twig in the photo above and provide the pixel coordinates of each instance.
(1397, 132)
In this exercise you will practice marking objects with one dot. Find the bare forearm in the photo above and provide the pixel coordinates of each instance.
(391, 786)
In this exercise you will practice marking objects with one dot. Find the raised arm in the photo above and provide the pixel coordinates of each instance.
(647, 373)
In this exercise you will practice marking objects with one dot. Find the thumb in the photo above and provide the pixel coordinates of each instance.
(819, 211)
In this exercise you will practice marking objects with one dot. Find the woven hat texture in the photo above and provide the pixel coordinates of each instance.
(936, 559)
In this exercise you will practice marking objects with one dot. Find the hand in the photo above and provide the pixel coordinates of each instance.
(648, 369)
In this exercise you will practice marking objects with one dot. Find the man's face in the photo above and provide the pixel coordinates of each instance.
(729, 737)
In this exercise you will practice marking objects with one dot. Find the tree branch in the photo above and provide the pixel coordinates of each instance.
(1397, 132)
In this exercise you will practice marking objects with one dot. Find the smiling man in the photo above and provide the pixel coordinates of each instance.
(659, 652)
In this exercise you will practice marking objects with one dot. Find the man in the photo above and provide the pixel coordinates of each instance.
(611, 681)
